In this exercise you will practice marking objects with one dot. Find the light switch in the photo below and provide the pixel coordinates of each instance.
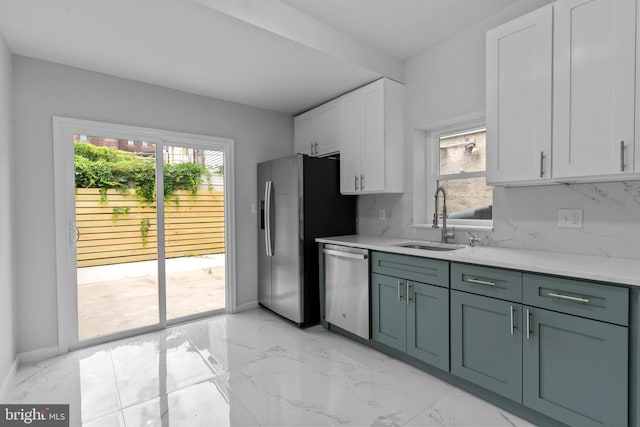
(570, 218)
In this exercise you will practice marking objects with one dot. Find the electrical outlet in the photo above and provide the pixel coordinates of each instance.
(382, 214)
(570, 218)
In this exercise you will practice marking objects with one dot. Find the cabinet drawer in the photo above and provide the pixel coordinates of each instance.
(492, 282)
(425, 270)
(592, 300)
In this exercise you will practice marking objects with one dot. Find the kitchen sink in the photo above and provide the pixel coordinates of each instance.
(429, 246)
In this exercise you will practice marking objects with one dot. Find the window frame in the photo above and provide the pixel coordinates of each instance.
(427, 172)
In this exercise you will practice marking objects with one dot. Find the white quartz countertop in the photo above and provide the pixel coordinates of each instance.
(624, 271)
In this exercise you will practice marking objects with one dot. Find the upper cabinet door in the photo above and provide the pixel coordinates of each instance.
(372, 139)
(303, 133)
(351, 134)
(519, 74)
(594, 84)
(372, 169)
(327, 128)
(317, 132)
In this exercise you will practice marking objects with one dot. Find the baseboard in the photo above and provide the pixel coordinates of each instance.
(246, 306)
(38, 355)
(6, 384)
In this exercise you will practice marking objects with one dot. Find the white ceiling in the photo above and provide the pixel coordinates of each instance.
(283, 55)
(400, 28)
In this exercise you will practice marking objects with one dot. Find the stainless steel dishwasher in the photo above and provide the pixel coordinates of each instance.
(347, 288)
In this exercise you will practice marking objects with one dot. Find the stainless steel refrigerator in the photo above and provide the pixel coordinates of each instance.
(299, 199)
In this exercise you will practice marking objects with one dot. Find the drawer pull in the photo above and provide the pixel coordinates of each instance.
(569, 298)
(480, 282)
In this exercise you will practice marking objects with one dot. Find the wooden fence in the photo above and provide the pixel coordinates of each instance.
(121, 229)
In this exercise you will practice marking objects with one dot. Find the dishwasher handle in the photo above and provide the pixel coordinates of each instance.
(345, 254)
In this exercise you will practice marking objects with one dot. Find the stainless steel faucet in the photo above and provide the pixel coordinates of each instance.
(444, 234)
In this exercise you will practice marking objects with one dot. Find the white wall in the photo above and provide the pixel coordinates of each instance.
(8, 336)
(448, 81)
(44, 89)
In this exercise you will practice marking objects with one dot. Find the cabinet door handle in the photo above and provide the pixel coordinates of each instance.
(528, 323)
(542, 164)
(361, 182)
(399, 291)
(355, 186)
(512, 312)
(621, 156)
(569, 298)
(316, 148)
(408, 292)
(480, 282)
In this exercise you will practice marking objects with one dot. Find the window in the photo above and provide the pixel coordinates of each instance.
(462, 173)
(130, 143)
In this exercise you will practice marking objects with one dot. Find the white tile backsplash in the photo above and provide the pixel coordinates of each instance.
(527, 218)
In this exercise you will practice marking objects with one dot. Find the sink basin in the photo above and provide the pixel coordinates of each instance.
(429, 246)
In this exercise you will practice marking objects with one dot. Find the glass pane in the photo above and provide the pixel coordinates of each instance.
(467, 198)
(463, 153)
(194, 230)
(116, 251)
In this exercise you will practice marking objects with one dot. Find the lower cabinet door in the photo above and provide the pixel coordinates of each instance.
(428, 323)
(576, 369)
(486, 343)
(389, 311)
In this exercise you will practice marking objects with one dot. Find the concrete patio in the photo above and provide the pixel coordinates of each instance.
(123, 296)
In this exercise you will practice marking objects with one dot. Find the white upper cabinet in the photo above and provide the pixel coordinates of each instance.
(372, 139)
(561, 95)
(594, 89)
(519, 74)
(317, 132)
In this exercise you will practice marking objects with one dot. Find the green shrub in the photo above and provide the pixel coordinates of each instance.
(108, 168)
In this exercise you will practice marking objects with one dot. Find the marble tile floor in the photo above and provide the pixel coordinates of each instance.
(246, 369)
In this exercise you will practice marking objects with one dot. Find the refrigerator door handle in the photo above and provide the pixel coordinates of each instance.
(267, 218)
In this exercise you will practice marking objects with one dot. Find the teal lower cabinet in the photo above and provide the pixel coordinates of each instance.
(411, 317)
(388, 311)
(486, 343)
(575, 369)
(565, 365)
(558, 347)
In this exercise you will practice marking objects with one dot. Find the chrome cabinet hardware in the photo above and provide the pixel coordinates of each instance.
(408, 292)
(569, 298)
(480, 282)
(355, 185)
(528, 323)
(316, 148)
(512, 312)
(621, 156)
(542, 164)
(361, 182)
(399, 292)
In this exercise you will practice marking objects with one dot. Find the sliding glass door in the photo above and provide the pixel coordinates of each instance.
(117, 236)
(193, 230)
(147, 234)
